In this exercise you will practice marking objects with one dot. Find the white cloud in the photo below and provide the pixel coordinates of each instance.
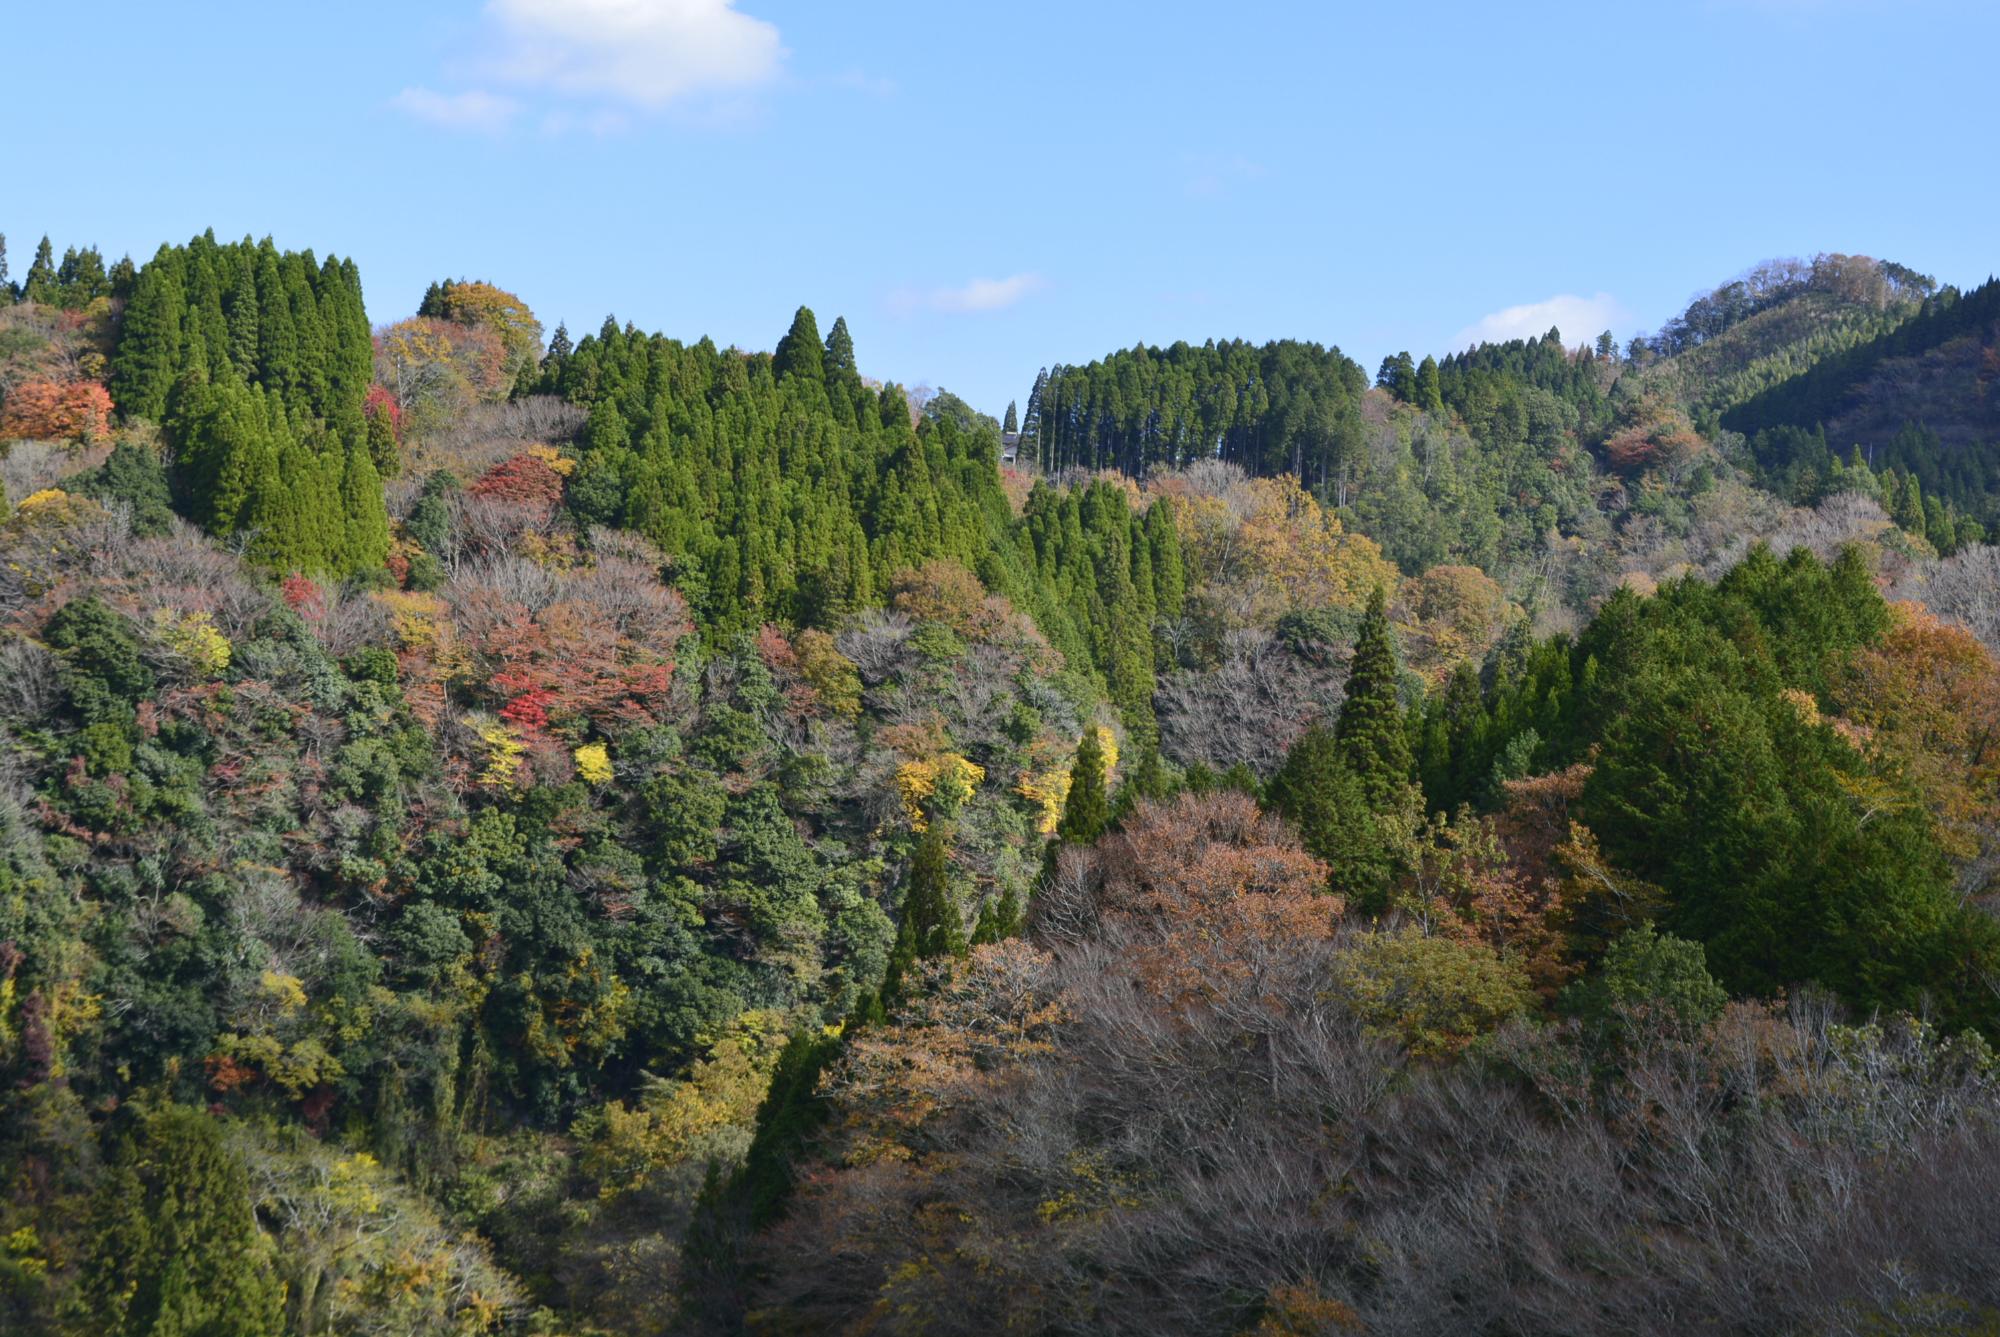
(1579, 319)
(470, 110)
(642, 53)
(969, 298)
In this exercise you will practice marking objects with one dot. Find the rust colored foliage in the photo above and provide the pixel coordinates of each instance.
(56, 411)
(1200, 887)
(947, 593)
(382, 402)
(1926, 703)
(1650, 433)
(525, 480)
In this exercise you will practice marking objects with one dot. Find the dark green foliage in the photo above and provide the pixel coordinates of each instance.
(175, 1247)
(102, 666)
(782, 492)
(1087, 811)
(135, 477)
(1373, 745)
(932, 925)
(1285, 407)
(1648, 972)
(39, 285)
(257, 364)
(800, 352)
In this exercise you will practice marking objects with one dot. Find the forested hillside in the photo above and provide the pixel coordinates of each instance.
(513, 833)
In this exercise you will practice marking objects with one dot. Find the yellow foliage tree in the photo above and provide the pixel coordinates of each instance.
(593, 764)
(194, 639)
(936, 785)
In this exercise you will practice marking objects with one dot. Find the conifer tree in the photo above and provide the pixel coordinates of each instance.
(6, 288)
(175, 1250)
(1430, 390)
(840, 352)
(1373, 745)
(365, 528)
(1012, 422)
(1087, 811)
(998, 920)
(931, 926)
(40, 284)
(123, 275)
(1163, 545)
(800, 352)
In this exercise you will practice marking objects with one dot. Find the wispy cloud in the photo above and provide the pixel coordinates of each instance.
(470, 110)
(589, 63)
(971, 298)
(1579, 318)
(1213, 175)
(644, 53)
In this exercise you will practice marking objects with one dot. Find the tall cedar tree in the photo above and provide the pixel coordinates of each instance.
(931, 926)
(1372, 743)
(1087, 811)
(40, 283)
(800, 352)
(175, 1248)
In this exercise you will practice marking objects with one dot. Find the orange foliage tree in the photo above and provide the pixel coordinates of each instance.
(56, 411)
(1926, 702)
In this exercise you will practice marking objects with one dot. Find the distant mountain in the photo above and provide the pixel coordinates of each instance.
(1773, 324)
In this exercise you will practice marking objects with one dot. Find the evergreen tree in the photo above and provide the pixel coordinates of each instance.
(1373, 744)
(365, 531)
(1012, 422)
(123, 276)
(1087, 810)
(1429, 390)
(998, 920)
(1316, 792)
(40, 284)
(175, 1250)
(6, 288)
(931, 925)
(840, 364)
(800, 352)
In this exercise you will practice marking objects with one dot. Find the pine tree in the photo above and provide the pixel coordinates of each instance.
(1163, 545)
(123, 276)
(800, 352)
(998, 920)
(1012, 422)
(1373, 745)
(931, 926)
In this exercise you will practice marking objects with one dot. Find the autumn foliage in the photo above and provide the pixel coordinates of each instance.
(56, 411)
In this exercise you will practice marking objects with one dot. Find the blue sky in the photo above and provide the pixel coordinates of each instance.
(983, 189)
